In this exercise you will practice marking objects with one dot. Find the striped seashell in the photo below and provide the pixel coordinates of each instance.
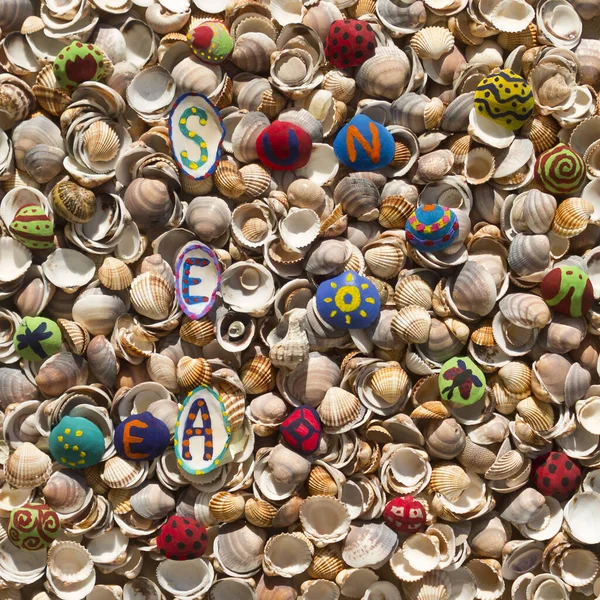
(539, 415)
(101, 142)
(449, 480)
(327, 563)
(27, 467)
(259, 512)
(434, 409)
(321, 483)
(432, 42)
(272, 103)
(394, 211)
(516, 377)
(256, 179)
(114, 274)
(542, 131)
(402, 154)
(192, 372)
(76, 336)
(390, 383)
(228, 179)
(342, 88)
(385, 261)
(93, 476)
(152, 295)
(227, 507)
(512, 40)
(460, 145)
(199, 333)
(335, 224)
(234, 400)
(432, 586)
(257, 375)
(255, 229)
(572, 217)
(119, 500)
(73, 202)
(413, 290)
(505, 466)
(338, 408)
(412, 324)
(121, 473)
(364, 7)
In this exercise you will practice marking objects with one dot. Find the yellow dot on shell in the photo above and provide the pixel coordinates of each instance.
(81, 462)
(370, 300)
(217, 462)
(179, 462)
(182, 121)
(192, 134)
(66, 446)
(63, 460)
(203, 145)
(184, 154)
(328, 300)
(349, 277)
(68, 431)
(76, 448)
(198, 472)
(82, 454)
(194, 110)
(364, 286)
(79, 433)
(60, 438)
(348, 319)
(193, 166)
(333, 285)
(202, 121)
(72, 464)
(176, 423)
(175, 443)
(204, 159)
(333, 313)
(362, 313)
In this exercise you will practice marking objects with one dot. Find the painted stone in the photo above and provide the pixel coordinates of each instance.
(197, 279)
(431, 228)
(568, 290)
(211, 42)
(555, 474)
(33, 527)
(505, 98)
(196, 132)
(405, 514)
(77, 63)
(348, 301)
(560, 170)
(76, 442)
(283, 146)
(141, 437)
(364, 144)
(202, 432)
(37, 338)
(33, 227)
(349, 43)
(181, 538)
(461, 381)
(302, 430)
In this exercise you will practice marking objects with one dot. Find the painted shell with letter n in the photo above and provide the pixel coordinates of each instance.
(196, 132)
(202, 432)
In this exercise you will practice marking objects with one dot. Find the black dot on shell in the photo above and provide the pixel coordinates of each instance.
(186, 521)
(346, 36)
(204, 537)
(565, 481)
(555, 456)
(487, 94)
(168, 538)
(173, 523)
(344, 49)
(191, 556)
(568, 463)
(509, 121)
(516, 85)
(496, 78)
(359, 39)
(336, 30)
(346, 61)
(181, 545)
(335, 42)
(514, 104)
(546, 481)
(369, 28)
(189, 532)
(370, 46)
(163, 551)
(197, 545)
(358, 54)
(335, 55)
(552, 468)
(358, 27)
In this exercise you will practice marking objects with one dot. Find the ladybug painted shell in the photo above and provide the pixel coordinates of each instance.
(77, 63)
(302, 430)
(283, 146)
(33, 527)
(405, 514)
(141, 437)
(431, 227)
(349, 43)
(211, 42)
(555, 474)
(181, 538)
(33, 227)
(568, 290)
(505, 98)
(461, 381)
(561, 171)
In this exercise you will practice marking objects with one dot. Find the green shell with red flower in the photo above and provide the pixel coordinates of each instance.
(77, 63)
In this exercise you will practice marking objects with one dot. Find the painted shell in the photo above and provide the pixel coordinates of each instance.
(32, 527)
(202, 432)
(211, 42)
(196, 131)
(33, 228)
(197, 279)
(405, 514)
(283, 146)
(461, 381)
(431, 227)
(78, 63)
(568, 290)
(560, 170)
(505, 98)
(349, 43)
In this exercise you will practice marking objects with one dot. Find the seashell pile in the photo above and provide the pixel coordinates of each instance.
(299, 299)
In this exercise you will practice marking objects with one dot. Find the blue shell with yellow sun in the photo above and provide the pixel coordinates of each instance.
(348, 301)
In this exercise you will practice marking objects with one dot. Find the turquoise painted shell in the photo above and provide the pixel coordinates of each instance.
(505, 98)
(431, 227)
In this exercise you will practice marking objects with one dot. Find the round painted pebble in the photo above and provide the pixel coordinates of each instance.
(181, 538)
(283, 146)
(302, 430)
(568, 290)
(77, 63)
(141, 437)
(431, 228)
(37, 338)
(33, 527)
(461, 381)
(33, 227)
(76, 443)
(405, 514)
(348, 301)
(364, 145)
(555, 474)
(561, 171)
(349, 43)
(505, 98)
(211, 42)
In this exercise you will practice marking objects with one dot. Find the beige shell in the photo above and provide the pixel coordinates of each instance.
(192, 372)
(258, 375)
(327, 563)
(73, 202)
(413, 290)
(338, 408)
(394, 211)
(101, 142)
(60, 372)
(321, 483)
(432, 42)
(76, 337)
(572, 217)
(199, 332)
(444, 439)
(259, 512)
(539, 415)
(27, 467)
(227, 507)
(114, 274)
(152, 295)
(390, 383)
(412, 324)
(449, 480)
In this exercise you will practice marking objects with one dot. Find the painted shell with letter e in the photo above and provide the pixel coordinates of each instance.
(202, 432)
(196, 133)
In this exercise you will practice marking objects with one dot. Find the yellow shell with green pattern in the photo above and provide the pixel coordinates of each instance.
(505, 98)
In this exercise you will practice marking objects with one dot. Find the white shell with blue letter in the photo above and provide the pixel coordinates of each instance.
(196, 133)
(202, 432)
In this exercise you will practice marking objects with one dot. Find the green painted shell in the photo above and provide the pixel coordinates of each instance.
(77, 63)
(33, 227)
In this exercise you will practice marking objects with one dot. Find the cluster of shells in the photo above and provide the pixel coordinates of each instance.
(282, 526)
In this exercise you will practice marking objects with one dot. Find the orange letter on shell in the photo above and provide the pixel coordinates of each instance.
(372, 149)
(129, 439)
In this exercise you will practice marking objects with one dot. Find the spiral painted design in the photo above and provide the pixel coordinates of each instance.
(560, 170)
(33, 527)
(24, 520)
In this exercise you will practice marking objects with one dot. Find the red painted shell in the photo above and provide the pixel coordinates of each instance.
(405, 514)
(181, 538)
(349, 43)
(555, 474)
(302, 430)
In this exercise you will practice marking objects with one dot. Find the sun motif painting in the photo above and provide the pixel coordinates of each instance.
(196, 133)
(348, 301)
(202, 432)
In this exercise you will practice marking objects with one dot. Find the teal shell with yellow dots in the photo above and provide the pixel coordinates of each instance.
(505, 98)
(76, 442)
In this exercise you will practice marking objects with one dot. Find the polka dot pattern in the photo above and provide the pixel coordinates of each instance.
(349, 43)
(181, 538)
(555, 474)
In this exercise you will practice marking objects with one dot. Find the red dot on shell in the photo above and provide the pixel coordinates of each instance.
(202, 37)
